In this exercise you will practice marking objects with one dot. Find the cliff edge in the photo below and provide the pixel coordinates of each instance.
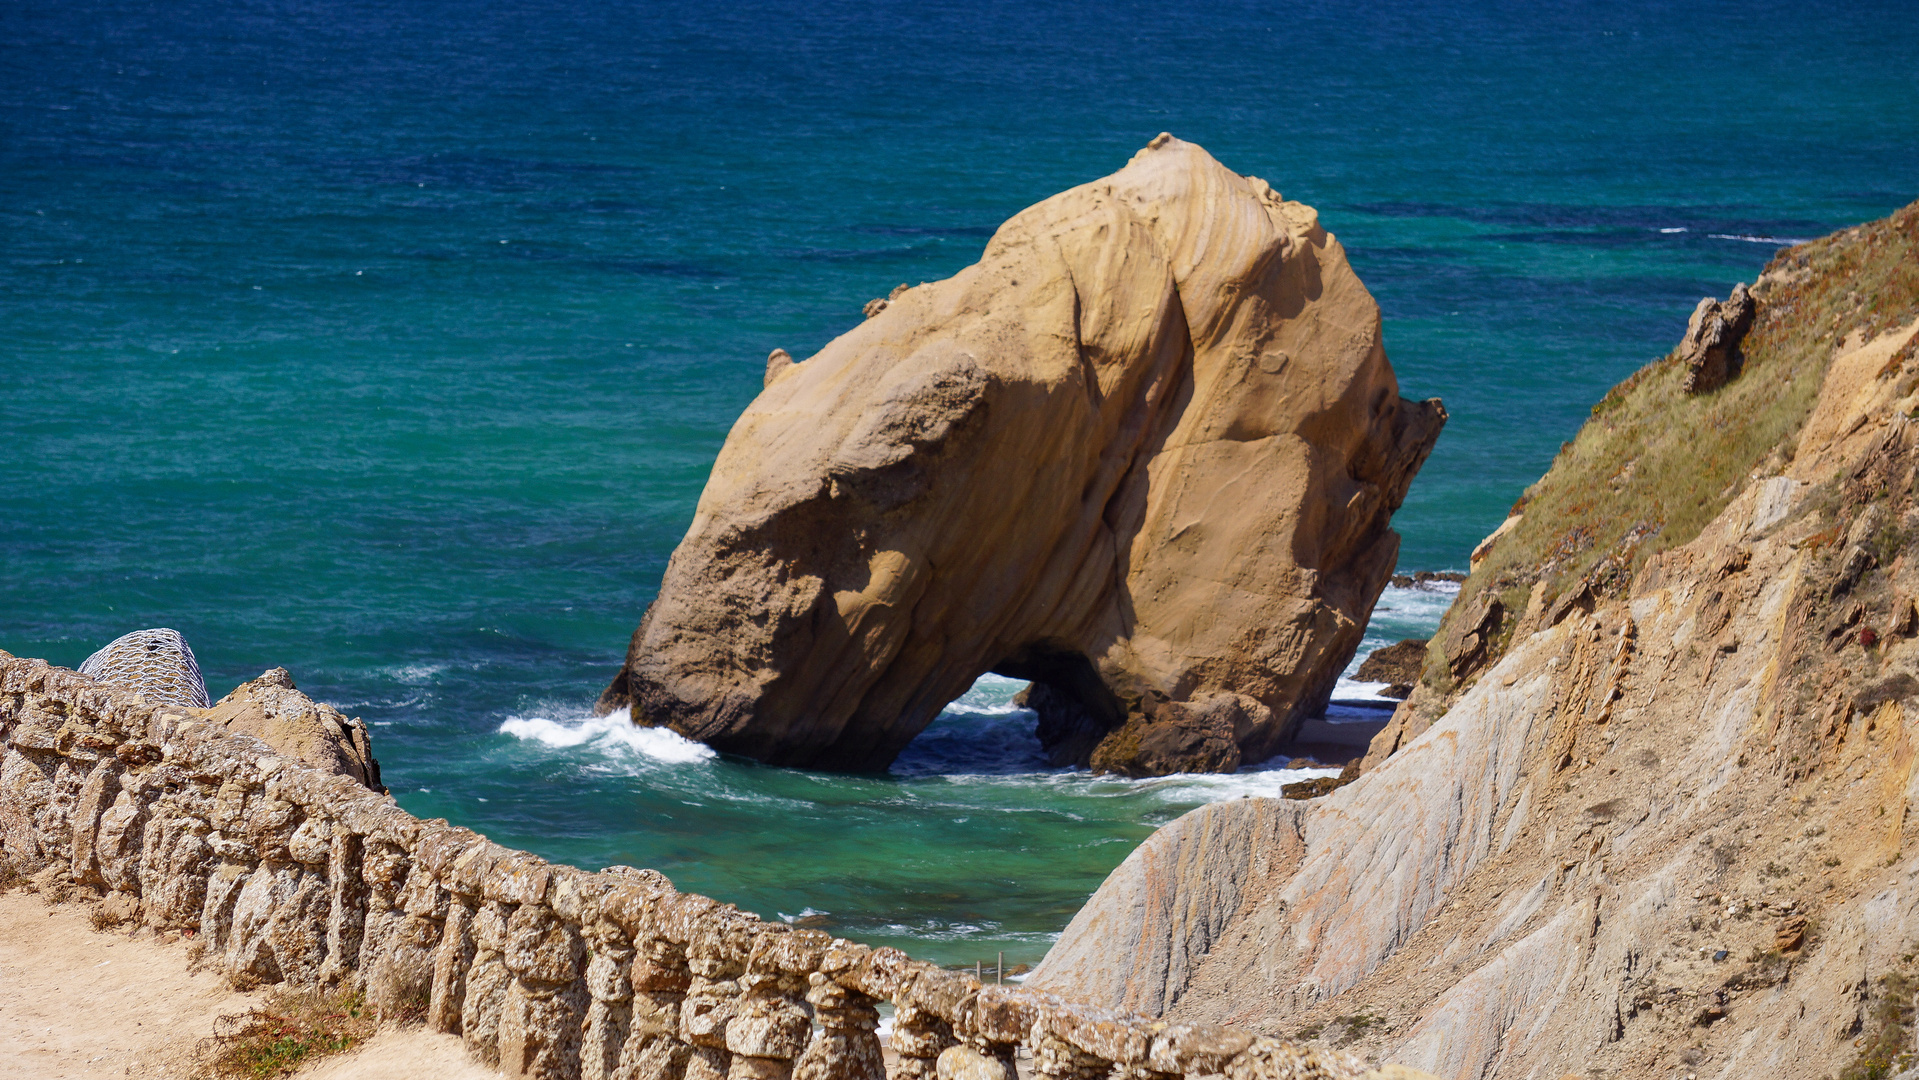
(1650, 812)
(1144, 454)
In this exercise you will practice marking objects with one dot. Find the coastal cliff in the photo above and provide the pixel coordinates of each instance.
(1144, 454)
(1649, 810)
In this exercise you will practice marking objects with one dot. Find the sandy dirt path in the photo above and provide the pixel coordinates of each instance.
(79, 1003)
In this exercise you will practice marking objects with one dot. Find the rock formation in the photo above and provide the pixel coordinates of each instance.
(1660, 822)
(1143, 454)
(1710, 350)
(315, 734)
(159, 665)
(1397, 665)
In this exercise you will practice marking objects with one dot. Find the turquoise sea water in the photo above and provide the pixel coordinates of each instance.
(391, 343)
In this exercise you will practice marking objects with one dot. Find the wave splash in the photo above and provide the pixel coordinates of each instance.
(613, 734)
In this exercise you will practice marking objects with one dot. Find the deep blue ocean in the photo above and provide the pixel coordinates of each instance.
(392, 343)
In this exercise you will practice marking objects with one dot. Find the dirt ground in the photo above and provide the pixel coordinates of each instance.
(80, 1003)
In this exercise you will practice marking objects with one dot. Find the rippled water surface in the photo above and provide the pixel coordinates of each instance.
(391, 343)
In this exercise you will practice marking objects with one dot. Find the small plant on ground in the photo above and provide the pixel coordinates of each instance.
(285, 1033)
(1355, 1027)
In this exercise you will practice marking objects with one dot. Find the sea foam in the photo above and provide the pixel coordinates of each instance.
(614, 733)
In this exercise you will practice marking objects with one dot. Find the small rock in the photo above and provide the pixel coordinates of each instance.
(965, 1063)
(1399, 663)
(1790, 934)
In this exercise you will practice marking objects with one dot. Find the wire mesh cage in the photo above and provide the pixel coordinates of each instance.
(157, 663)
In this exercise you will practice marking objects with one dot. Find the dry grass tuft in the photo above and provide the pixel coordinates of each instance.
(290, 1030)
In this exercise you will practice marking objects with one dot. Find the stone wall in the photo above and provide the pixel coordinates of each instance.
(289, 874)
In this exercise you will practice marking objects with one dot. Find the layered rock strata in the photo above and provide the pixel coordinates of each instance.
(1143, 454)
(290, 874)
(1663, 822)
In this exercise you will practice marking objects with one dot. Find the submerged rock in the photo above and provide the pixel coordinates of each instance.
(1143, 454)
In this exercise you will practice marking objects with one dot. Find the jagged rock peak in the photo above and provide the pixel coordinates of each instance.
(1710, 350)
(1144, 453)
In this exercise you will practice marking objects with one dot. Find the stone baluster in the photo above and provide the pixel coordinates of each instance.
(609, 1015)
(486, 982)
(848, 1045)
(709, 1003)
(660, 979)
(296, 931)
(452, 962)
(237, 863)
(545, 1006)
(346, 907)
(176, 862)
(97, 793)
(383, 865)
(769, 1027)
(441, 853)
(990, 1024)
(268, 825)
(401, 982)
(919, 1037)
(122, 834)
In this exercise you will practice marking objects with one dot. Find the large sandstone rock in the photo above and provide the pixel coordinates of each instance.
(271, 709)
(1144, 454)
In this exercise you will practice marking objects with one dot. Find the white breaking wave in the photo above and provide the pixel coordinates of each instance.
(1263, 781)
(990, 695)
(614, 733)
(1785, 241)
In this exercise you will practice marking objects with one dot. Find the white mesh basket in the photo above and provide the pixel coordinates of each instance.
(157, 663)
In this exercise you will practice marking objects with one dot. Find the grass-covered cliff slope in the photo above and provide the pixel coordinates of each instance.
(1653, 812)
(1653, 465)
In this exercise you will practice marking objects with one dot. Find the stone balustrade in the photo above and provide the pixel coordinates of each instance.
(288, 874)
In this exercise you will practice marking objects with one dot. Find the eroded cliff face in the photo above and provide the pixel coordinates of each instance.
(1144, 453)
(1665, 825)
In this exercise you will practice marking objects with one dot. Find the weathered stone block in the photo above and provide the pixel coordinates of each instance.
(540, 1032)
(541, 949)
(768, 1026)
